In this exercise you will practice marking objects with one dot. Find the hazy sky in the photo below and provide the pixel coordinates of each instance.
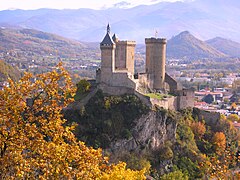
(68, 4)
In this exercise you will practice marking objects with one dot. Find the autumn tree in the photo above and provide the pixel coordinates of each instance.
(233, 106)
(198, 129)
(35, 142)
(233, 118)
(219, 141)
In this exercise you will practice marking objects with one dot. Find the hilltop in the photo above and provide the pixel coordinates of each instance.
(40, 43)
(186, 45)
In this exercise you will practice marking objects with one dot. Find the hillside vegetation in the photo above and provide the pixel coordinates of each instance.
(201, 148)
(7, 71)
(106, 118)
(29, 42)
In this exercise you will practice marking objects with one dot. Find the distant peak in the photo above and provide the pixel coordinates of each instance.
(185, 33)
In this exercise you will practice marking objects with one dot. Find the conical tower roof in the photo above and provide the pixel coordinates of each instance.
(107, 40)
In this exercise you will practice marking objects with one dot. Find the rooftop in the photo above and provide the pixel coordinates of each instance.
(107, 40)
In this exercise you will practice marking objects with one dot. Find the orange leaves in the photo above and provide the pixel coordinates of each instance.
(219, 141)
(198, 129)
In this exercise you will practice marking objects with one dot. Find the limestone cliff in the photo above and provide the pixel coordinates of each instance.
(151, 131)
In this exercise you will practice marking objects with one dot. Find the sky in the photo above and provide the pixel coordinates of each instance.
(71, 4)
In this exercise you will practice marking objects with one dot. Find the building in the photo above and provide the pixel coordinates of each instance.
(116, 75)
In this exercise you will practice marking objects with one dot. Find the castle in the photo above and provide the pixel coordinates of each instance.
(116, 75)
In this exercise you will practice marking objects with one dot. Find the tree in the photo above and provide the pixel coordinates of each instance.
(233, 117)
(219, 141)
(83, 86)
(198, 129)
(35, 142)
(233, 106)
(175, 175)
(208, 99)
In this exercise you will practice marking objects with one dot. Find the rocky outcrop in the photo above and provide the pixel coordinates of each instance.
(150, 132)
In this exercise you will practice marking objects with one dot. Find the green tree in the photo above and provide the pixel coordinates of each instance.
(83, 86)
(208, 99)
(175, 175)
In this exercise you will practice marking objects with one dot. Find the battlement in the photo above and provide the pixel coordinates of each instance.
(155, 40)
(126, 43)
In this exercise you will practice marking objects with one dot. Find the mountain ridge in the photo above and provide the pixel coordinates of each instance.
(186, 45)
(203, 18)
(226, 46)
(39, 43)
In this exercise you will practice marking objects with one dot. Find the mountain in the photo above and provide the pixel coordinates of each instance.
(226, 46)
(26, 41)
(203, 18)
(186, 45)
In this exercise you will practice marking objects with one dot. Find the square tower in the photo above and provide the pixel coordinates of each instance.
(124, 57)
(107, 47)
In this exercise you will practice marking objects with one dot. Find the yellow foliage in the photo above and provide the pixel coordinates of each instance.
(219, 140)
(198, 129)
(34, 141)
(119, 172)
(233, 117)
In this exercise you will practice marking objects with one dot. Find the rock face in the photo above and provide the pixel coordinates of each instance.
(151, 132)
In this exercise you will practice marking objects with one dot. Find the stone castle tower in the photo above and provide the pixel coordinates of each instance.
(124, 56)
(116, 75)
(156, 62)
(117, 65)
(107, 47)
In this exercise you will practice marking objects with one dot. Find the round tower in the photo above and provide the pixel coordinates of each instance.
(156, 61)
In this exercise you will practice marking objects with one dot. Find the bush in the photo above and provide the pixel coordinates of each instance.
(83, 86)
(175, 175)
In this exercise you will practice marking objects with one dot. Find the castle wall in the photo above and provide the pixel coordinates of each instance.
(174, 86)
(146, 81)
(116, 90)
(167, 103)
(119, 83)
(185, 99)
(123, 79)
